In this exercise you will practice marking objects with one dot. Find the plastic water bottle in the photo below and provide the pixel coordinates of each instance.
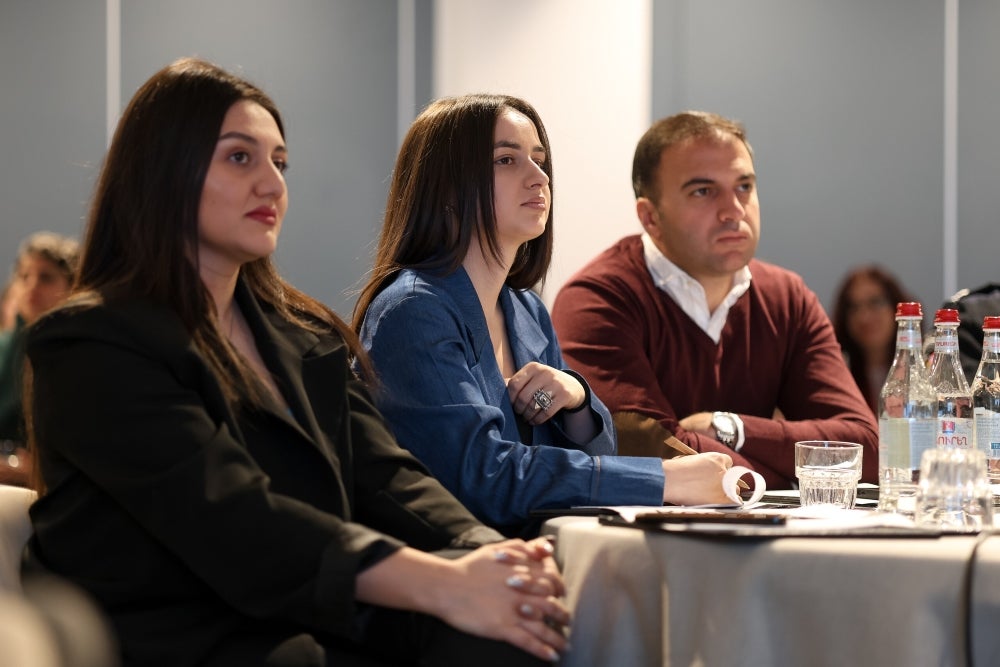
(907, 416)
(986, 398)
(955, 425)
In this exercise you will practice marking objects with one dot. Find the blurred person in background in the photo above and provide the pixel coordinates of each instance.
(8, 305)
(864, 319)
(43, 274)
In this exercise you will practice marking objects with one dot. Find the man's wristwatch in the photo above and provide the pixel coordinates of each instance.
(725, 428)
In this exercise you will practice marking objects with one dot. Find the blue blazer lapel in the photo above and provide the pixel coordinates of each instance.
(459, 286)
(527, 340)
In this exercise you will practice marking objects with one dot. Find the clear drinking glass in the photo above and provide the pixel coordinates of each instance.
(954, 491)
(828, 472)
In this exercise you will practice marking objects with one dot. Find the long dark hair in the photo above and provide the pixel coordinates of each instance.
(442, 195)
(142, 233)
(856, 360)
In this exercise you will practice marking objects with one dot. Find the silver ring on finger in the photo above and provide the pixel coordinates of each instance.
(543, 399)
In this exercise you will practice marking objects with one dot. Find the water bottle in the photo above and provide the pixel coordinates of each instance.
(955, 425)
(907, 416)
(986, 398)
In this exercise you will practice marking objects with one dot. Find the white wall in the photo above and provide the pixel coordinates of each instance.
(585, 65)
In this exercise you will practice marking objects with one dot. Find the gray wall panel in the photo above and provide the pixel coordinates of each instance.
(424, 63)
(330, 65)
(331, 68)
(843, 105)
(979, 143)
(51, 116)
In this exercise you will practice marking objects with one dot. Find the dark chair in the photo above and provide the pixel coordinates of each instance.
(972, 307)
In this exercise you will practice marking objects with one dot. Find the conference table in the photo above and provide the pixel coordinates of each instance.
(644, 597)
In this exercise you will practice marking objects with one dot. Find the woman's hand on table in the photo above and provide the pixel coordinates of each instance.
(696, 479)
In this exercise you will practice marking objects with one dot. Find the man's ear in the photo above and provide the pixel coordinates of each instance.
(648, 217)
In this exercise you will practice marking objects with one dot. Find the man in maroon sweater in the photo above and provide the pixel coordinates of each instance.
(682, 325)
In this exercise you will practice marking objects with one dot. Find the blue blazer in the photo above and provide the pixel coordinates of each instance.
(444, 396)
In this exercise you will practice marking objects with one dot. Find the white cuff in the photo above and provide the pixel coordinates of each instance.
(740, 437)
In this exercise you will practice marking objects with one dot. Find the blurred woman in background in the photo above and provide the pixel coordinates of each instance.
(864, 319)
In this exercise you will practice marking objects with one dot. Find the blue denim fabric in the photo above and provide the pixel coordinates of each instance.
(446, 400)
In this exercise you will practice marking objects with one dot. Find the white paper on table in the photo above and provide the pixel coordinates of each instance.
(730, 484)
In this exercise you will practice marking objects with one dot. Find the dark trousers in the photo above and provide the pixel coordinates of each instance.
(392, 638)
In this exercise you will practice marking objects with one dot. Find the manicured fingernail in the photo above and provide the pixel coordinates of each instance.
(516, 581)
(500, 555)
(526, 610)
(553, 654)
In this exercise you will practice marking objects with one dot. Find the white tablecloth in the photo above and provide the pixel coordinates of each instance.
(646, 598)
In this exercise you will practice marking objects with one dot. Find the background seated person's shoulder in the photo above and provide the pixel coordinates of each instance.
(972, 305)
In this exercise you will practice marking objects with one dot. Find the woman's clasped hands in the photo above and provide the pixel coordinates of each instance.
(511, 592)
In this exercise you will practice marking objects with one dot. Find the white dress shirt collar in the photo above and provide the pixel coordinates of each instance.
(688, 292)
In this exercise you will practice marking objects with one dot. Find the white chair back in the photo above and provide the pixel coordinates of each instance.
(15, 529)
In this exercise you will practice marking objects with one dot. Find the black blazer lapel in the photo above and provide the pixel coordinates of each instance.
(293, 355)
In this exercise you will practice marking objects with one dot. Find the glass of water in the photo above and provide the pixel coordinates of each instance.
(954, 491)
(828, 472)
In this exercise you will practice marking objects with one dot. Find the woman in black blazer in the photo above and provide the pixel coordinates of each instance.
(212, 473)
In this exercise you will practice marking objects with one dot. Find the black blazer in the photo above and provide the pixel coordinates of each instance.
(193, 524)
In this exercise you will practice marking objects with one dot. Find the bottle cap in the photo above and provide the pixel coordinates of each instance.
(909, 309)
(946, 316)
(991, 322)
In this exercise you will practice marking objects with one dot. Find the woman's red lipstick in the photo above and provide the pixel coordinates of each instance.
(266, 214)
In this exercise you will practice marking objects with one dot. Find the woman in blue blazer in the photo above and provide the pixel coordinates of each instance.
(214, 474)
(467, 366)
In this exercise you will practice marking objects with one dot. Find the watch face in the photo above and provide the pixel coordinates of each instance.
(723, 424)
(725, 428)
